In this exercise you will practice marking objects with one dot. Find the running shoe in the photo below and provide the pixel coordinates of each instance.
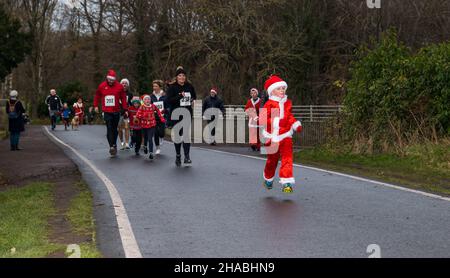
(145, 150)
(287, 188)
(268, 184)
(151, 157)
(178, 161)
(158, 151)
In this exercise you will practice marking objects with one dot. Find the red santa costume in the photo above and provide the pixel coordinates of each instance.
(252, 110)
(79, 111)
(278, 125)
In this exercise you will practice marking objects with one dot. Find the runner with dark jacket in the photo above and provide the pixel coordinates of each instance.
(54, 103)
(112, 97)
(181, 95)
(213, 101)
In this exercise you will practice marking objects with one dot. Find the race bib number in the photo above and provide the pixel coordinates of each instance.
(110, 101)
(186, 100)
(159, 105)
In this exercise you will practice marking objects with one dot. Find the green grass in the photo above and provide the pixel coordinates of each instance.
(80, 216)
(23, 221)
(423, 167)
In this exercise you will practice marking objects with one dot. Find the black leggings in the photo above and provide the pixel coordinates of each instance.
(136, 139)
(149, 133)
(112, 122)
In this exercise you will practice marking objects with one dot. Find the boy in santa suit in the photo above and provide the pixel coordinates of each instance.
(252, 110)
(78, 108)
(278, 127)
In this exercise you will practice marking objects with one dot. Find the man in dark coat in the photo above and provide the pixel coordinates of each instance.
(15, 110)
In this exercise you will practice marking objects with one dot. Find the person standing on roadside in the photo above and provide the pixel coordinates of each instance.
(112, 97)
(15, 110)
(54, 103)
(213, 101)
(181, 95)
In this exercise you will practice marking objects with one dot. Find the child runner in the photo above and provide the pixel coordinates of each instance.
(66, 115)
(78, 108)
(135, 124)
(279, 125)
(147, 114)
(252, 110)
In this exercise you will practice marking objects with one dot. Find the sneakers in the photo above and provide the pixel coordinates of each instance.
(187, 160)
(131, 145)
(113, 150)
(145, 150)
(151, 157)
(122, 146)
(178, 161)
(268, 184)
(127, 146)
(158, 151)
(287, 188)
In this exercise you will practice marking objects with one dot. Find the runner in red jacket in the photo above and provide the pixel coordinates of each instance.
(112, 96)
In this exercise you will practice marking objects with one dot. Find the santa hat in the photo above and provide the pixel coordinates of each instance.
(215, 90)
(111, 75)
(146, 96)
(254, 90)
(273, 83)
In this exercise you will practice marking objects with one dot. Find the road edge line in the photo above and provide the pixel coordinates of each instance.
(434, 196)
(129, 243)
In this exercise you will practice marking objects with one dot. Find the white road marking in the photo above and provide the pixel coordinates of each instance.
(129, 242)
(340, 174)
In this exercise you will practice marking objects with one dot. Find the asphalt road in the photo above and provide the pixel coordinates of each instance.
(218, 208)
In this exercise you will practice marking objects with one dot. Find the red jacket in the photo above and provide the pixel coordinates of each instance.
(252, 110)
(277, 119)
(132, 111)
(79, 109)
(111, 97)
(147, 115)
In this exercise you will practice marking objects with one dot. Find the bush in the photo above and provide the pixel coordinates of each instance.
(397, 97)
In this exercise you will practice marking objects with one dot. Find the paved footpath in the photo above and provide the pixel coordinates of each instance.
(218, 208)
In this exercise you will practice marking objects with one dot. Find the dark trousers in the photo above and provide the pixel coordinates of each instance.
(186, 146)
(149, 133)
(136, 139)
(53, 118)
(112, 122)
(14, 138)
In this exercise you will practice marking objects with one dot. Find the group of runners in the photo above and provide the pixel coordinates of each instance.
(140, 121)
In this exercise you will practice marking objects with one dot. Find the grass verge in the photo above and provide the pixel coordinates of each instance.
(80, 216)
(423, 167)
(24, 229)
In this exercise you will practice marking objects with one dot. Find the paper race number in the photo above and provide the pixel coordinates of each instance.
(186, 100)
(110, 101)
(159, 105)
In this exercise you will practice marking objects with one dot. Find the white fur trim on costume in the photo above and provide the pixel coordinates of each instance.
(287, 180)
(277, 138)
(278, 99)
(111, 77)
(255, 102)
(269, 180)
(296, 125)
(276, 85)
